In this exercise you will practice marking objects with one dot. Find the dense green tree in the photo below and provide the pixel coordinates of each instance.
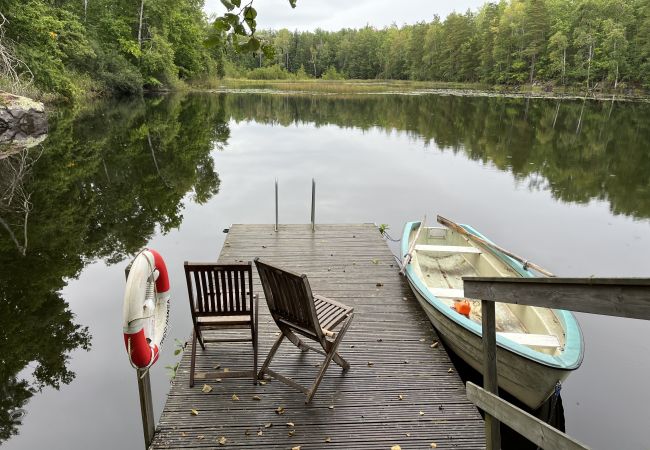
(588, 43)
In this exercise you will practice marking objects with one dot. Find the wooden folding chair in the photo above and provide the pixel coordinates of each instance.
(297, 311)
(221, 297)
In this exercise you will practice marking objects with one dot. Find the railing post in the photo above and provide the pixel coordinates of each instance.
(490, 381)
(313, 204)
(146, 401)
(276, 205)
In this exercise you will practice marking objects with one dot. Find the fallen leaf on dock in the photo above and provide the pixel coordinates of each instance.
(259, 433)
(234, 397)
(247, 433)
(218, 366)
(291, 432)
(226, 370)
(297, 447)
(206, 388)
(380, 340)
(396, 447)
(379, 284)
(330, 407)
(370, 363)
(279, 410)
(200, 437)
(421, 413)
(268, 425)
(256, 397)
(408, 434)
(218, 380)
(401, 397)
(328, 439)
(434, 445)
(375, 261)
(422, 340)
(183, 434)
(404, 298)
(290, 424)
(194, 412)
(450, 370)
(223, 440)
(434, 345)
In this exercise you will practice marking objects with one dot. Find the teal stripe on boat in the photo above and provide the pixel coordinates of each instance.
(570, 358)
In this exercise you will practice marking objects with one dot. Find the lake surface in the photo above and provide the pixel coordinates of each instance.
(566, 184)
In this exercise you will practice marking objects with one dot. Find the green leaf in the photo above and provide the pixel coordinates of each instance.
(250, 13)
(240, 30)
(250, 46)
(231, 18)
(237, 3)
(221, 25)
(252, 24)
(229, 6)
(292, 3)
(268, 50)
(212, 41)
(177, 351)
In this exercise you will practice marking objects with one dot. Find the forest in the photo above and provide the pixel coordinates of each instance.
(588, 43)
(74, 47)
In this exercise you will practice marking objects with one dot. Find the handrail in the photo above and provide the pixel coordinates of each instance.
(618, 297)
(535, 430)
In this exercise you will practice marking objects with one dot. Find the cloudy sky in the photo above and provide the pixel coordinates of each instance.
(337, 14)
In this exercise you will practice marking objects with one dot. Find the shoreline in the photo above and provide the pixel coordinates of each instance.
(399, 87)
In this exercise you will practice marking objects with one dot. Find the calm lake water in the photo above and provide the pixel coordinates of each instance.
(566, 184)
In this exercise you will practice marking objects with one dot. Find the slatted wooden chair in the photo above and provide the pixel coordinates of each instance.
(221, 297)
(297, 311)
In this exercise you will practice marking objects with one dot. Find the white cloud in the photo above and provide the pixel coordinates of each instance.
(337, 14)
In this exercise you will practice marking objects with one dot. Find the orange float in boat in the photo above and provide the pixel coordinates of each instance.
(462, 307)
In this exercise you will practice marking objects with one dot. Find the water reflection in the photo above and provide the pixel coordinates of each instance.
(100, 185)
(579, 151)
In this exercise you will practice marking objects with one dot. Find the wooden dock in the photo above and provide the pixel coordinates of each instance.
(399, 390)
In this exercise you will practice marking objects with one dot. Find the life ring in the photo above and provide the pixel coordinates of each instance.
(146, 308)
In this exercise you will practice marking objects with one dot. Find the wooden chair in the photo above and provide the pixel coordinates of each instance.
(297, 311)
(221, 297)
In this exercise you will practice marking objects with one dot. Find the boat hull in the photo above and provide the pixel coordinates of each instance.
(528, 381)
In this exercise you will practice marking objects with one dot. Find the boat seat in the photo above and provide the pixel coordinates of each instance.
(533, 340)
(447, 249)
(447, 292)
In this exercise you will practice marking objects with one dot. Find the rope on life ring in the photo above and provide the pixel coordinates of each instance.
(146, 308)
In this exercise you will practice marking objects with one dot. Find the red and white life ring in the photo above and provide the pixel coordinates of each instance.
(146, 308)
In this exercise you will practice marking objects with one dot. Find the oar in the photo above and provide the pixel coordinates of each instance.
(457, 228)
(408, 256)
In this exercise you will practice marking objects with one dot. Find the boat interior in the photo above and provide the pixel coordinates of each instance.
(442, 257)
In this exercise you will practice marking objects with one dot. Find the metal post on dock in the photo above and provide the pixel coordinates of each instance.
(144, 392)
(276, 205)
(146, 406)
(313, 204)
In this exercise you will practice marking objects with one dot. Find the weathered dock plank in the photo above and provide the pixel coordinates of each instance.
(399, 391)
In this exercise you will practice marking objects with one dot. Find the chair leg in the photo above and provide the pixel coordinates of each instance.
(267, 361)
(193, 358)
(328, 359)
(254, 337)
(197, 331)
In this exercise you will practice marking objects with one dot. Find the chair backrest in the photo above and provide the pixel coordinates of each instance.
(290, 299)
(219, 289)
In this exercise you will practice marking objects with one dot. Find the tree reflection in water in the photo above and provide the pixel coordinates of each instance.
(107, 176)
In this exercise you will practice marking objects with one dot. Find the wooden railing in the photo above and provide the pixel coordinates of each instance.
(619, 297)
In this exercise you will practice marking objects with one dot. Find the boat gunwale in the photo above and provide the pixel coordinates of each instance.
(570, 358)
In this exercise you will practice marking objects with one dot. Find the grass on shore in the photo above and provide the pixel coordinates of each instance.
(405, 86)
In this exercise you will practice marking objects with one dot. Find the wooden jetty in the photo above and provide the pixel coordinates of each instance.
(399, 390)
